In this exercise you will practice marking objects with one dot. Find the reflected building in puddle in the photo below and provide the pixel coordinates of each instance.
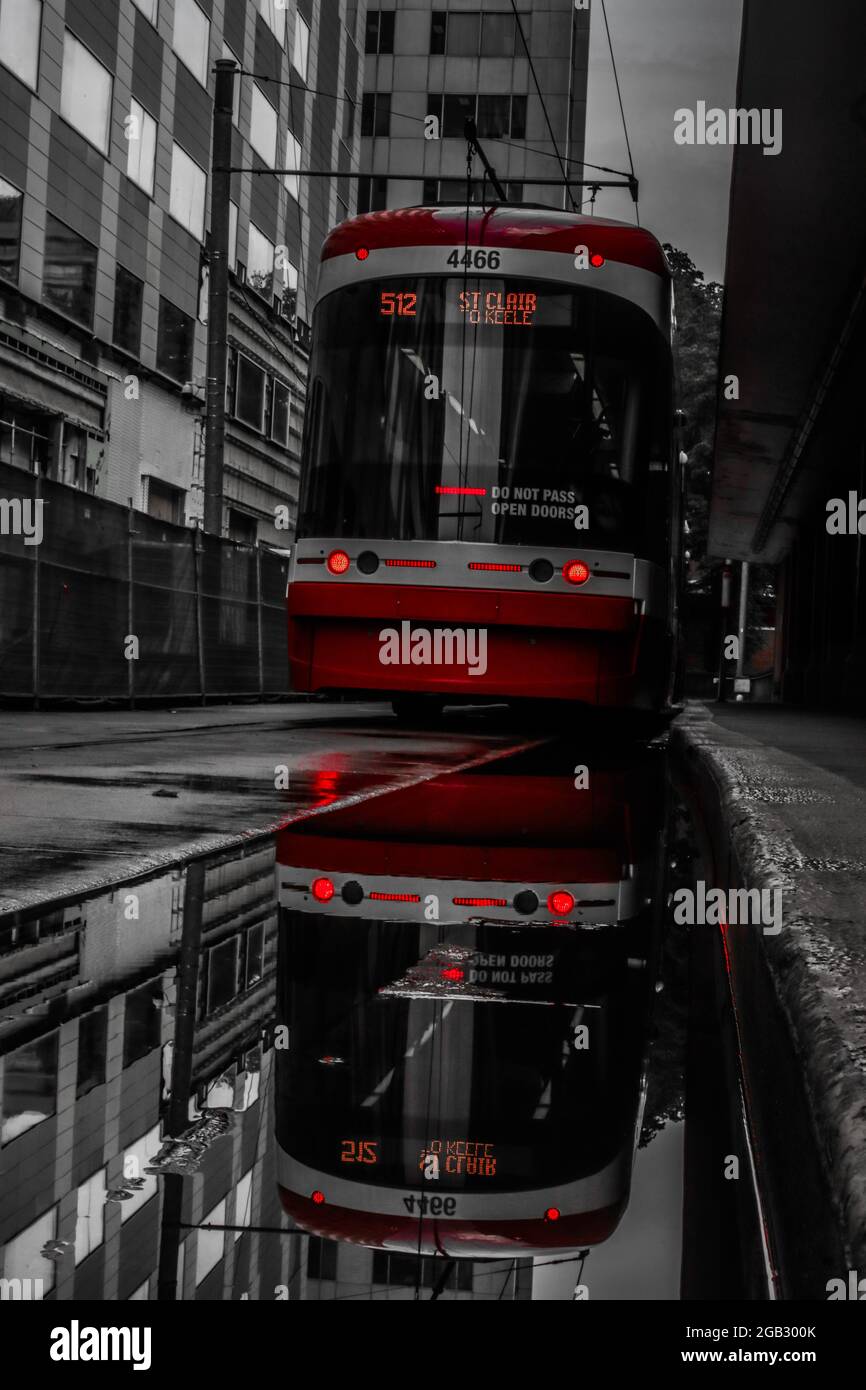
(102, 1014)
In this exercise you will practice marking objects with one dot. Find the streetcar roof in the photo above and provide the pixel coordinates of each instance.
(516, 226)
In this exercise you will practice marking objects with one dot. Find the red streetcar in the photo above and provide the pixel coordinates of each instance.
(490, 501)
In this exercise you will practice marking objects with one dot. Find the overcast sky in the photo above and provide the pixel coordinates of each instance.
(669, 53)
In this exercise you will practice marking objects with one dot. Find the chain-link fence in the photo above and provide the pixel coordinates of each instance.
(112, 604)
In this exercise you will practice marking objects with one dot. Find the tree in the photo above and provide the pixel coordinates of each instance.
(698, 309)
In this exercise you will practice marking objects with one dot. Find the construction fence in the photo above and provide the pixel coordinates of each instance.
(113, 604)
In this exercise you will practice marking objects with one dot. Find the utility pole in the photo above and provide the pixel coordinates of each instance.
(218, 295)
(723, 624)
(741, 619)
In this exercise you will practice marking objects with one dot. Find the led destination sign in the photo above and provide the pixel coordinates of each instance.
(514, 309)
(458, 1156)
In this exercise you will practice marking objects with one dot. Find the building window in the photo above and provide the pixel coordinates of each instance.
(20, 31)
(260, 262)
(376, 113)
(322, 1258)
(243, 528)
(294, 157)
(263, 127)
(188, 192)
(499, 34)
(90, 1224)
(142, 1021)
(495, 115)
(454, 112)
(22, 1254)
(141, 148)
(301, 50)
(348, 116)
(254, 954)
(274, 12)
(236, 90)
(280, 413)
(191, 38)
(462, 35)
(10, 230)
(290, 285)
(372, 194)
(210, 1246)
(438, 27)
(493, 35)
(233, 235)
(379, 35)
(250, 403)
(85, 93)
(222, 966)
(69, 272)
(29, 1087)
(165, 502)
(128, 293)
(243, 1202)
(174, 342)
(92, 1036)
(149, 8)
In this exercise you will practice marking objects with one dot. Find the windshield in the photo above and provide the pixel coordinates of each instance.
(487, 410)
(407, 1041)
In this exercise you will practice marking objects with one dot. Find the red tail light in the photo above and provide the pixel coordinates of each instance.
(317, 1197)
(552, 1214)
(322, 890)
(411, 564)
(453, 973)
(462, 491)
(596, 259)
(576, 572)
(560, 903)
(338, 562)
(362, 253)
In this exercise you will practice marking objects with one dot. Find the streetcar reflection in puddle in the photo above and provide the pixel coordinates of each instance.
(466, 976)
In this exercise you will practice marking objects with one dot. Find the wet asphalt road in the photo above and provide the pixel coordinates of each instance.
(90, 798)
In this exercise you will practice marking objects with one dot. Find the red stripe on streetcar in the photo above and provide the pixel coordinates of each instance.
(394, 897)
(480, 902)
(499, 569)
(411, 564)
(461, 491)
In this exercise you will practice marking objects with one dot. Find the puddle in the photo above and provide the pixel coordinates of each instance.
(433, 1045)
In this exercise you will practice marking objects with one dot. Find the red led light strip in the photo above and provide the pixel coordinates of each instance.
(394, 897)
(412, 564)
(461, 491)
(480, 902)
(500, 569)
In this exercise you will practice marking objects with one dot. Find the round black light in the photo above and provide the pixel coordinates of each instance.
(525, 901)
(540, 570)
(367, 562)
(352, 893)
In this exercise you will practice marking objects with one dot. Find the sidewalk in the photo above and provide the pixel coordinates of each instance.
(782, 797)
